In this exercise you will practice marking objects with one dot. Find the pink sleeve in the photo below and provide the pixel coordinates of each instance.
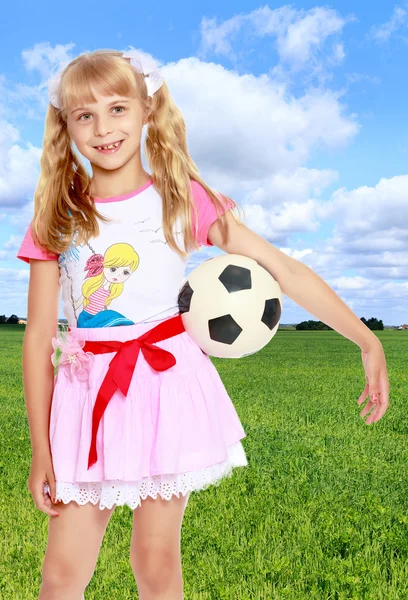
(207, 213)
(29, 250)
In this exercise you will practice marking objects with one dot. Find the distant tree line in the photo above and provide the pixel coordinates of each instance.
(12, 320)
(373, 324)
(315, 325)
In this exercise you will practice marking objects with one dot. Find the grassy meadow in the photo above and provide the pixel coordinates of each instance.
(321, 512)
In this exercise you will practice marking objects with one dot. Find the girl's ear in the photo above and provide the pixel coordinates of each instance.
(147, 110)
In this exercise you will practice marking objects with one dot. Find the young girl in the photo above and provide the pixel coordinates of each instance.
(136, 413)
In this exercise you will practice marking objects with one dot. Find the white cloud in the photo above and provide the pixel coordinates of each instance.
(369, 235)
(19, 161)
(19, 167)
(13, 275)
(216, 38)
(20, 101)
(300, 34)
(358, 77)
(306, 34)
(244, 128)
(21, 217)
(398, 19)
(42, 56)
(13, 243)
(367, 212)
(276, 225)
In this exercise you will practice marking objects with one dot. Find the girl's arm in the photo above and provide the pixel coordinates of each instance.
(296, 280)
(307, 289)
(38, 370)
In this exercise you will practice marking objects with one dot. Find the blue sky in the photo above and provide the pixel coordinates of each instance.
(304, 126)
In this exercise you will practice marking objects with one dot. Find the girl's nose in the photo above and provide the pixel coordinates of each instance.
(102, 128)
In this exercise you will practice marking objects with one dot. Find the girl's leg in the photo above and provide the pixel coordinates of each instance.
(155, 553)
(74, 540)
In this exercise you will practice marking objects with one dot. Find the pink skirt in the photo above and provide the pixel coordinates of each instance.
(175, 432)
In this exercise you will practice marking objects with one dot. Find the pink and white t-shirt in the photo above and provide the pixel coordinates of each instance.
(128, 274)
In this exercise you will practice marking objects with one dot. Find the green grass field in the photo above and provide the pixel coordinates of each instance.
(321, 512)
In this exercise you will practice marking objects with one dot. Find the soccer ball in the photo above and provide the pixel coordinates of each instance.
(230, 306)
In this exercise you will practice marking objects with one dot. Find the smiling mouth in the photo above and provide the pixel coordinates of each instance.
(109, 146)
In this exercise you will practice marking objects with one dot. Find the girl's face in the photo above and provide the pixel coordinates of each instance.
(117, 274)
(110, 120)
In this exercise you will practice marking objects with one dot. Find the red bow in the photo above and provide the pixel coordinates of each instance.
(122, 365)
(94, 265)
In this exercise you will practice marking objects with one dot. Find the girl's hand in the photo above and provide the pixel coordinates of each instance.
(41, 472)
(377, 386)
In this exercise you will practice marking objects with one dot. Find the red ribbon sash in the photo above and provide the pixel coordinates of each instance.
(122, 366)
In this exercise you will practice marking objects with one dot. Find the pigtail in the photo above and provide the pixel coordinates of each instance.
(172, 168)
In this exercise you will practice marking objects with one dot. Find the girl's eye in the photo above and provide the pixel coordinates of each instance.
(126, 272)
(86, 114)
(113, 269)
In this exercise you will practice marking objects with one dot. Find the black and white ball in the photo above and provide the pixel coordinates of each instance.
(230, 306)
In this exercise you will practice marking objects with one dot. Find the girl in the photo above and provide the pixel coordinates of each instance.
(136, 413)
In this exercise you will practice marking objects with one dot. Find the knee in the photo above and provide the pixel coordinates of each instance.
(59, 575)
(155, 568)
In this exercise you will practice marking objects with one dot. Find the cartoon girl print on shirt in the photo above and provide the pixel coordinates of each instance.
(104, 282)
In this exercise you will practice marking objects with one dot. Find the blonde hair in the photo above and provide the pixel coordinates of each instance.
(62, 200)
(117, 255)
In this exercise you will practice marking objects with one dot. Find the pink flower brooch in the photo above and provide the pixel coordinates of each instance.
(68, 350)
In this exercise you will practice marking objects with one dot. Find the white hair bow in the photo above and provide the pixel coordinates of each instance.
(145, 64)
(140, 61)
(53, 83)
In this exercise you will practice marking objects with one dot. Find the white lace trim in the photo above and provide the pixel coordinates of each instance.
(109, 492)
